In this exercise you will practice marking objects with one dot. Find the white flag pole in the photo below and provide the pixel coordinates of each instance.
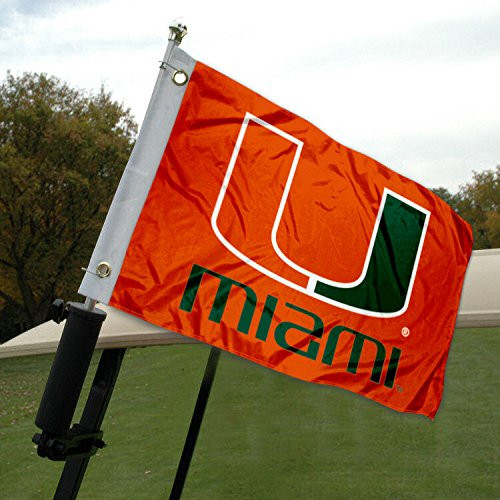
(108, 255)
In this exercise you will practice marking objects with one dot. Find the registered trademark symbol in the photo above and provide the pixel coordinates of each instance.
(405, 331)
(399, 388)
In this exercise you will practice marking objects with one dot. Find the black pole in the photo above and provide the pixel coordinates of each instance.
(194, 427)
(91, 421)
(62, 392)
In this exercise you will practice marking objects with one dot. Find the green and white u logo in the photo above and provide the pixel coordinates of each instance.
(385, 284)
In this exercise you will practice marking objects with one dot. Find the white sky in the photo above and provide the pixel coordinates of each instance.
(413, 84)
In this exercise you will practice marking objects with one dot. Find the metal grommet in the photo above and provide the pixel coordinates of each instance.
(103, 270)
(180, 77)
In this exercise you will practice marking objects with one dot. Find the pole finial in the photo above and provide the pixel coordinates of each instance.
(178, 31)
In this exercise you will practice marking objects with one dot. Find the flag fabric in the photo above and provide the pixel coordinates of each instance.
(242, 225)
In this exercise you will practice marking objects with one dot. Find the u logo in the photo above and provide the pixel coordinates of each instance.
(384, 286)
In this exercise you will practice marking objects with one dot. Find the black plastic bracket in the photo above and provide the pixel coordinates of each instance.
(78, 442)
(58, 311)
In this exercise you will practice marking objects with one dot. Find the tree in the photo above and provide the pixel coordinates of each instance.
(478, 202)
(62, 152)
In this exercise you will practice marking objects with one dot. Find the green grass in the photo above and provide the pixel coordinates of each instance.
(265, 435)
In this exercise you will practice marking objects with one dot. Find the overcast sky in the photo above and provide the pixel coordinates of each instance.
(414, 84)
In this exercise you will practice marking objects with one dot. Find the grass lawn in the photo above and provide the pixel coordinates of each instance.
(265, 435)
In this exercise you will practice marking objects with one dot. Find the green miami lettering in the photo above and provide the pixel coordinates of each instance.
(266, 318)
(221, 297)
(309, 343)
(316, 332)
(388, 275)
(357, 347)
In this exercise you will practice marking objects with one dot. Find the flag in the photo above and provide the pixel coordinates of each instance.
(243, 225)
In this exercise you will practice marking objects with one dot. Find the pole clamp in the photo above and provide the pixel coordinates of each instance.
(59, 311)
(78, 442)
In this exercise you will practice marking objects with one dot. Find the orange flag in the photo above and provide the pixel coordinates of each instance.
(263, 236)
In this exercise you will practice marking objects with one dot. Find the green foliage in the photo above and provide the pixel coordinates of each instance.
(62, 152)
(478, 202)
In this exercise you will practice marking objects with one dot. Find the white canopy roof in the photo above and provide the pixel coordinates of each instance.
(118, 330)
(480, 302)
